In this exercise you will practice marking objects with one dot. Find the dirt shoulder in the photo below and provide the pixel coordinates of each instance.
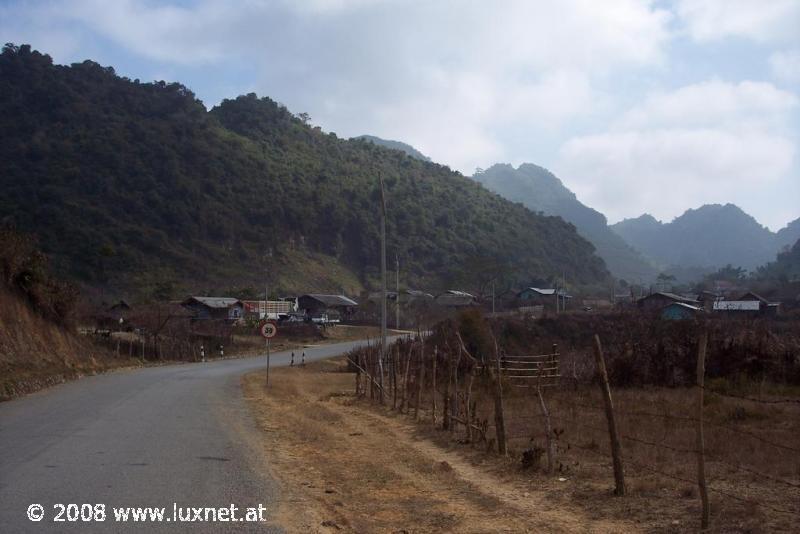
(346, 466)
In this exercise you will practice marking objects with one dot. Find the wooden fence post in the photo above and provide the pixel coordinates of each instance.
(433, 384)
(446, 402)
(548, 428)
(358, 376)
(616, 449)
(393, 375)
(404, 404)
(701, 461)
(499, 416)
(420, 379)
(468, 415)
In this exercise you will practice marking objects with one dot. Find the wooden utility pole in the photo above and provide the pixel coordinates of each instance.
(383, 285)
(616, 448)
(701, 460)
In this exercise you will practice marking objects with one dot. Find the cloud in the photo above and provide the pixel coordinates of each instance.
(785, 66)
(444, 76)
(759, 20)
(702, 143)
(712, 103)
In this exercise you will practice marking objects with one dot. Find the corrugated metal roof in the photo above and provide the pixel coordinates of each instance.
(542, 291)
(671, 296)
(737, 305)
(458, 293)
(547, 292)
(332, 300)
(214, 302)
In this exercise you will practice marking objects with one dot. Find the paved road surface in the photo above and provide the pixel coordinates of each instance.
(146, 437)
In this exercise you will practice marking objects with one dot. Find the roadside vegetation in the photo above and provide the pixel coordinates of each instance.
(751, 412)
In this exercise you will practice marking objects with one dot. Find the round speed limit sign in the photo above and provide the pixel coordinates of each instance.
(268, 330)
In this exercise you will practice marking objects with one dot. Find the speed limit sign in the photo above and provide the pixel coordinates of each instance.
(268, 330)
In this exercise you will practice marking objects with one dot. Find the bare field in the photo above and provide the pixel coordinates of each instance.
(363, 467)
(347, 466)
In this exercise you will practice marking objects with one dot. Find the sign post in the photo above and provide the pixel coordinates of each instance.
(268, 330)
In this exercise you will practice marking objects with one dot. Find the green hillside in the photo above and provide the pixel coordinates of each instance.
(134, 184)
(396, 145)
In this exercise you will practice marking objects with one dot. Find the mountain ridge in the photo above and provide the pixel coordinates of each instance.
(540, 190)
(710, 236)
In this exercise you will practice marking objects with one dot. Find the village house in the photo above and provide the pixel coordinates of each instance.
(677, 311)
(272, 309)
(661, 299)
(219, 308)
(455, 299)
(316, 304)
(739, 307)
(765, 306)
(545, 297)
(416, 295)
(115, 316)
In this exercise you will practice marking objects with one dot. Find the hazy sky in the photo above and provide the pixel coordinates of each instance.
(638, 106)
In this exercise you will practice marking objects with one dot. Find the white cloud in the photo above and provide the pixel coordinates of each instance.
(444, 76)
(713, 103)
(785, 66)
(760, 20)
(704, 143)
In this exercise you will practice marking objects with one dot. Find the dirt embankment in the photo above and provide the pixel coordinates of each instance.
(36, 353)
(344, 466)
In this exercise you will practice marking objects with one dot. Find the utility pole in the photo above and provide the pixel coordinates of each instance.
(383, 283)
(397, 299)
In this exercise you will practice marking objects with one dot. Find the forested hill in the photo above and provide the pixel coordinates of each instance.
(540, 190)
(396, 145)
(127, 182)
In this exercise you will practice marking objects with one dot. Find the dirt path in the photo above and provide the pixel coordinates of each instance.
(348, 467)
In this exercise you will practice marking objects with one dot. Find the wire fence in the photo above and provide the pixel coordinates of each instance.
(683, 435)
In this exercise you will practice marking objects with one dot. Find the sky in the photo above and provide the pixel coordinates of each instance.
(638, 106)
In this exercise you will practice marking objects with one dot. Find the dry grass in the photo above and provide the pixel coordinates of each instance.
(347, 466)
(739, 462)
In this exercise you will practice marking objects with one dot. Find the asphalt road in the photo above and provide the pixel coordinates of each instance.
(147, 437)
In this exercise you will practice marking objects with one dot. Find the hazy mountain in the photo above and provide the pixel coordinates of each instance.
(788, 235)
(713, 235)
(126, 182)
(540, 190)
(785, 268)
(396, 145)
